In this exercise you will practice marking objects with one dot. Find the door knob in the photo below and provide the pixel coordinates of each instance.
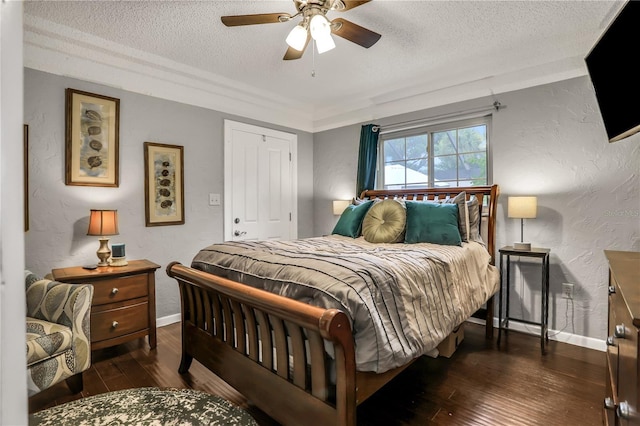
(236, 220)
(238, 233)
(623, 410)
(609, 404)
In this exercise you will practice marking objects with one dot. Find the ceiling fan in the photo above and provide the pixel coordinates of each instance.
(314, 25)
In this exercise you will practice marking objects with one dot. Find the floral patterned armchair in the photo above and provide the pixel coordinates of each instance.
(58, 342)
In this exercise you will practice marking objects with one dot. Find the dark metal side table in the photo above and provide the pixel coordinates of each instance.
(505, 281)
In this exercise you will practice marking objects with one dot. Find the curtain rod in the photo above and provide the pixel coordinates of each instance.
(412, 124)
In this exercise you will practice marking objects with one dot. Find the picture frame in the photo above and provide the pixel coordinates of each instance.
(163, 184)
(92, 128)
(25, 173)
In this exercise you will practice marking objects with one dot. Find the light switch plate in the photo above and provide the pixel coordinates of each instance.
(214, 199)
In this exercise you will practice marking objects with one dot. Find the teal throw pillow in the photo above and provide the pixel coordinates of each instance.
(432, 223)
(350, 222)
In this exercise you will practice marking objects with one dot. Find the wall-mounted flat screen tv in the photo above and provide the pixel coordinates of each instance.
(615, 77)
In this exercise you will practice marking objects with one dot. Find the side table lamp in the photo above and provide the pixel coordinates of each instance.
(339, 206)
(103, 223)
(522, 208)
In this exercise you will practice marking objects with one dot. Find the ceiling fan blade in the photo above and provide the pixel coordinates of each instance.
(260, 18)
(292, 53)
(350, 4)
(353, 32)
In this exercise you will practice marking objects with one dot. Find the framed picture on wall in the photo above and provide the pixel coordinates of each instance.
(92, 138)
(163, 184)
(25, 172)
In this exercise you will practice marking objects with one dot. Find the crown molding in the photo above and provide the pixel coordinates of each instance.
(65, 51)
(420, 96)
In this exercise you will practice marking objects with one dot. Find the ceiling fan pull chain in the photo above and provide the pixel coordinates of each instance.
(313, 51)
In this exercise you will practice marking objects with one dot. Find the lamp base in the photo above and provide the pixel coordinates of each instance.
(119, 261)
(522, 246)
(103, 252)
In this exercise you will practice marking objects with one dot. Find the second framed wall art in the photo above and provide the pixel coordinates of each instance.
(163, 184)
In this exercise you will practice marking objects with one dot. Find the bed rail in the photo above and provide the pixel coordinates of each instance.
(268, 346)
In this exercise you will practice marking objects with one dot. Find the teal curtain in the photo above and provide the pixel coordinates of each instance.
(367, 158)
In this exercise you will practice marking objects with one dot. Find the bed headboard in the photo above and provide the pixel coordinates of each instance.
(488, 195)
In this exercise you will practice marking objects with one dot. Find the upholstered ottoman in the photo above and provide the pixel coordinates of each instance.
(145, 407)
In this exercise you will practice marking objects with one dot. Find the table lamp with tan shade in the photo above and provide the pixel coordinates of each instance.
(522, 208)
(339, 206)
(103, 223)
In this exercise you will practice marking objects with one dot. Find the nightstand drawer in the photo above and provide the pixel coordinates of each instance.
(118, 289)
(120, 321)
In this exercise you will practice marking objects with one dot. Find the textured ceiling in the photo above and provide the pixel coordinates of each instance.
(426, 46)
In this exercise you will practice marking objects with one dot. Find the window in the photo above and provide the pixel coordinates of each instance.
(444, 155)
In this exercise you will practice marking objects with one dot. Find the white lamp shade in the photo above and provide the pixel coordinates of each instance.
(522, 207)
(325, 43)
(339, 206)
(319, 27)
(297, 38)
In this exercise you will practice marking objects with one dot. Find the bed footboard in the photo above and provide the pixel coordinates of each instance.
(271, 349)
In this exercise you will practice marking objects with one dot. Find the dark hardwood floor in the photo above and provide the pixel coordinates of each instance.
(480, 384)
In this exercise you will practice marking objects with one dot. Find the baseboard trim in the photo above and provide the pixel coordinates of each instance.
(168, 320)
(560, 336)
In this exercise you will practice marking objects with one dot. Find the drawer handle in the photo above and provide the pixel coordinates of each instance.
(609, 404)
(623, 410)
(612, 289)
(114, 324)
(610, 341)
(620, 331)
(114, 290)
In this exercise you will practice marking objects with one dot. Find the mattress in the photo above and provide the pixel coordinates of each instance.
(402, 299)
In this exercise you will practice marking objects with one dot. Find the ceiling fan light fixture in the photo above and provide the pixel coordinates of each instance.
(325, 43)
(314, 25)
(319, 27)
(297, 38)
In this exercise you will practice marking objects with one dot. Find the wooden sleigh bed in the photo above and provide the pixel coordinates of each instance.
(274, 350)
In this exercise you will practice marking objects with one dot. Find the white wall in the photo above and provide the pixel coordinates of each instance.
(549, 141)
(59, 213)
(13, 375)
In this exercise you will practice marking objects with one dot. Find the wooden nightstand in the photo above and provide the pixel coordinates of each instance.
(124, 301)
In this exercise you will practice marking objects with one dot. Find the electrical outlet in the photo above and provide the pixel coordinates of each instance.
(567, 291)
